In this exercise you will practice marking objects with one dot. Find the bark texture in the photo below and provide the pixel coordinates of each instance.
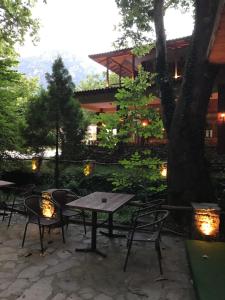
(163, 77)
(188, 176)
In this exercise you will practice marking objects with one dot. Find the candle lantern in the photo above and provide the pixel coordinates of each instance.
(47, 206)
(36, 163)
(145, 122)
(89, 166)
(206, 221)
(163, 170)
(221, 117)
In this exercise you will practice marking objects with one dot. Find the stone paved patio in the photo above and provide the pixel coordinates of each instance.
(63, 274)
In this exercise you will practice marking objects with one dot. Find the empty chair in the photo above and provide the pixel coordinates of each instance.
(36, 215)
(146, 227)
(147, 207)
(61, 197)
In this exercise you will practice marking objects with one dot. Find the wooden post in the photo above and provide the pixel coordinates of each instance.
(133, 66)
(120, 76)
(221, 123)
(57, 154)
(107, 71)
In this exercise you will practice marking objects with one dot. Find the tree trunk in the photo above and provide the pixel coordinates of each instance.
(163, 78)
(57, 153)
(188, 177)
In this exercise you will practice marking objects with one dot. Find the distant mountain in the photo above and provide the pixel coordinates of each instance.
(38, 66)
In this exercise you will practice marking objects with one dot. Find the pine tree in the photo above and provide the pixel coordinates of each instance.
(64, 113)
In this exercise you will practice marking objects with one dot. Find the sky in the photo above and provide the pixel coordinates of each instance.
(83, 27)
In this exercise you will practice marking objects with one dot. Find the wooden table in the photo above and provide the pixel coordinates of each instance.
(100, 202)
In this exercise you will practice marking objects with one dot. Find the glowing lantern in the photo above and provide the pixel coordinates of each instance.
(144, 123)
(163, 170)
(88, 167)
(221, 117)
(206, 220)
(36, 163)
(47, 206)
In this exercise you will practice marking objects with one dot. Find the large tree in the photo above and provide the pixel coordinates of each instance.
(15, 90)
(38, 131)
(15, 22)
(64, 112)
(184, 121)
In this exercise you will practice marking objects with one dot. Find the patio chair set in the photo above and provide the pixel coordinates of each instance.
(145, 226)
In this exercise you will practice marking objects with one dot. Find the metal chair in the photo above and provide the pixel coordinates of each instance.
(33, 205)
(147, 207)
(15, 200)
(61, 197)
(146, 227)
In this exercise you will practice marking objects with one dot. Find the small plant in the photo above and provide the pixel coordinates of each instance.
(134, 121)
(140, 175)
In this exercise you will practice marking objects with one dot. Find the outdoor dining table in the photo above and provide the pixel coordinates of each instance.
(100, 202)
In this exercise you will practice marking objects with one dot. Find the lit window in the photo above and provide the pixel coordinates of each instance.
(209, 133)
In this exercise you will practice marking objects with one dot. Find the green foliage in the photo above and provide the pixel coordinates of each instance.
(64, 111)
(91, 82)
(97, 81)
(55, 111)
(136, 26)
(140, 175)
(133, 109)
(15, 89)
(38, 131)
(142, 50)
(16, 21)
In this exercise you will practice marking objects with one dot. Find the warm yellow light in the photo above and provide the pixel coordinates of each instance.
(206, 228)
(221, 117)
(163, 170)
(176, 76)
(144, 123)
(207, 222)
(47, 207)
(88, 167)
(34, 165)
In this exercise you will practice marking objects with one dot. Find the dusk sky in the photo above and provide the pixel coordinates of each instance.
(82, 27)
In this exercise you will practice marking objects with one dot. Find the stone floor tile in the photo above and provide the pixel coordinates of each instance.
(15, 289)
(86, 293)
(102, 297)
(64, 274)
(40, 290)
(59, 296)
(32, 271)
(73, 297)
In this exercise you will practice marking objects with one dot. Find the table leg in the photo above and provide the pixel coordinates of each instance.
(93, 237)
(110, 233)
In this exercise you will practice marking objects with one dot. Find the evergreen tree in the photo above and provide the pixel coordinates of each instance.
(64, 110)
(38, 132)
